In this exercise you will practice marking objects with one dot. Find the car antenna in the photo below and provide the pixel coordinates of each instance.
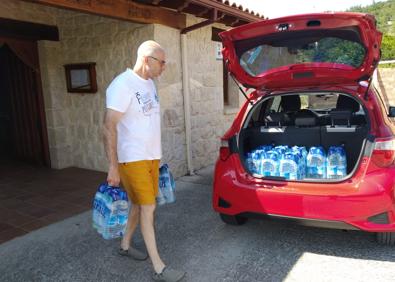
(238, 85)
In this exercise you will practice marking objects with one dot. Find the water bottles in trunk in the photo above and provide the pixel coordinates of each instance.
(297, 163)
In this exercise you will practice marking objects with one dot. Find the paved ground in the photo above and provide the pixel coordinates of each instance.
(192, 237)
(32, 197)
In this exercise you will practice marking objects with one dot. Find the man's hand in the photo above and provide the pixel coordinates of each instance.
(113, 178)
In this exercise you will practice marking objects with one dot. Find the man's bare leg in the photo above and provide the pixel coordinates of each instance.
(148, 231)
(133, 220)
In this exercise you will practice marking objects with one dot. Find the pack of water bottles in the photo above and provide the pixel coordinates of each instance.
(296, 163)
(167, 186)
(110, 211)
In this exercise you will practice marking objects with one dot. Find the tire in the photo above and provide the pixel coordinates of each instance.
(386, 238)
(233, 219)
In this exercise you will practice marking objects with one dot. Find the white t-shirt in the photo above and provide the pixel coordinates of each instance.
(139, 135)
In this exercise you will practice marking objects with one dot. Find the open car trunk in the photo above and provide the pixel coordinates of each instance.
(306, 120)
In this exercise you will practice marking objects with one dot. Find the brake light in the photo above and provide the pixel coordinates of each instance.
(384, 152)
(224, 151)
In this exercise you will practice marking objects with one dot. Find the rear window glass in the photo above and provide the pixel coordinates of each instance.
(341, 49)
(320, 102)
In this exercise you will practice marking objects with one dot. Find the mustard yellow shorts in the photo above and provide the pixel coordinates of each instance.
(140, 179)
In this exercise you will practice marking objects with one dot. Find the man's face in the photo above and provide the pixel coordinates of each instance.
(156, 63)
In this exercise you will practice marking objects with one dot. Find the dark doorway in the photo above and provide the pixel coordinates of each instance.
(23, 134)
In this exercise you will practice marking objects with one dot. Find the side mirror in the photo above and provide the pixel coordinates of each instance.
(391, 111)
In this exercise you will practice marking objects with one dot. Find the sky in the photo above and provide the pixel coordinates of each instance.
(279, 8)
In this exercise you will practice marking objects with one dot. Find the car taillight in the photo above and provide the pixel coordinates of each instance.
(384, 152)
(224, 151)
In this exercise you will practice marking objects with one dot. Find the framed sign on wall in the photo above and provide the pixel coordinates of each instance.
(81, 78)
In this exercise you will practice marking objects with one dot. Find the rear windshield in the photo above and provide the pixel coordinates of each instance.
(337, 48)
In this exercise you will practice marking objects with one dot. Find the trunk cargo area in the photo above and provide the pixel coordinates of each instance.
(344, 125)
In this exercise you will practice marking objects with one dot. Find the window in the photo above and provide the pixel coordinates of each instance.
(230, 90)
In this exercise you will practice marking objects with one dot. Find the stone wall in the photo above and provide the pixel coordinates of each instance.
(112, 45)
(385, 82)
(169, 86)
(74, 120)
(209, 118)
(24, 11)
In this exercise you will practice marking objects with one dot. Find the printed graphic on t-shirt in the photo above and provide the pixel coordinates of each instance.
(147, 102)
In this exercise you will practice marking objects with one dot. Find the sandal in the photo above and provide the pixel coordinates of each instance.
(133, 253)
(169, 275)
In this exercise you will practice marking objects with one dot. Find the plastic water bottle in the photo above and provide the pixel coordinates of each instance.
(98, 213)
(110, 229)
(289, 165)
(265, 148)
(166, 185)
(270, 164)
(250, 163)
(316, 163)
(257, 156)
(304, 162)
(336, 162)
(302, 154)
(170, 195)
(123, 212)
(281, 150)
(100, 209)
(160, 198)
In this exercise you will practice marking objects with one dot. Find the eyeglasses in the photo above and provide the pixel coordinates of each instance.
(162, 62)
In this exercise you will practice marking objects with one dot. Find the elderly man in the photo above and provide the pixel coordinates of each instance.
(132, 138)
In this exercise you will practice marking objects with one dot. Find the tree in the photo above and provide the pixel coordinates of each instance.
(388, 47)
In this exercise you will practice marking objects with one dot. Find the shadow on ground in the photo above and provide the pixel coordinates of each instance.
(192, 237)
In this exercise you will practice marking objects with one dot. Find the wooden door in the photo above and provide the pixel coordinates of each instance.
(21, 90)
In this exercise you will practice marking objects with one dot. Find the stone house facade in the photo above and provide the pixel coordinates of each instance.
(74, 120)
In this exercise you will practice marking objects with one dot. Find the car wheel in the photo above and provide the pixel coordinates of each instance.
(386, 238)
(233, 219)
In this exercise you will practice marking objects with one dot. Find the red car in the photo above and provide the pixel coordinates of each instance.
(311, 79)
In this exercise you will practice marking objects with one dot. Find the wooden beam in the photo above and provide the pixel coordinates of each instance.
(235, 22)
(220, 6)
(212, 19)
(28, 30)
(121, 9)
(203, 12)
(183, 6)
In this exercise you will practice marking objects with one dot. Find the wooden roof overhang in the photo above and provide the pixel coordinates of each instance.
(167, 12)
(219, 11)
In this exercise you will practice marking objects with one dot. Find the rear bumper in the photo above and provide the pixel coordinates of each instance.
(366, 205)
(302, 221)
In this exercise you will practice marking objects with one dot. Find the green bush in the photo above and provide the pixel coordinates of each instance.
(388, 47)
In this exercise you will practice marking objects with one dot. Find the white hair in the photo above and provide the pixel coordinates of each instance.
(148, 48)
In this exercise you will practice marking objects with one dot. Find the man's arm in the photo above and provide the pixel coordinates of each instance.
(110, 137)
